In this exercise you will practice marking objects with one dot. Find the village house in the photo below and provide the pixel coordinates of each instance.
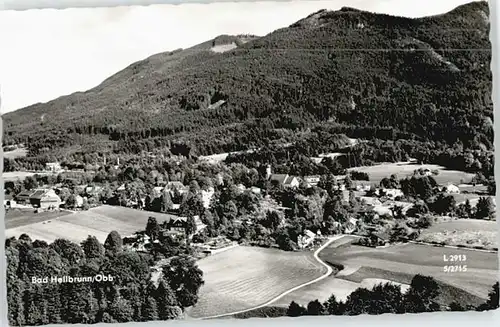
(451, 189)
(255, 190)
(390, 192)
(240, 188)
(312, 180)
(206, 197)
(351, 225)
(45, 199)
(177, 224)
(306, 239)
(78, 201)
(363, 187)
(121, 188)
(93, 190)
(387, 207)
(370, 200)
(285, 180)
(138, 242)
(339, 187)
(54, 167)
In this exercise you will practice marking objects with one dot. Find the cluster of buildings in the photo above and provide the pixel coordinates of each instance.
(174, 227)
(42, 198)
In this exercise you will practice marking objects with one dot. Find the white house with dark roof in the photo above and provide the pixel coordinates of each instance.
(45, 199)
(285, 180)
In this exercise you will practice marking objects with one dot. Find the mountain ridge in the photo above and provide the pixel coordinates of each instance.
(342, 66)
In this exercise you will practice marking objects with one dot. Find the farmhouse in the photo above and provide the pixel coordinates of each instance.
(93, 190)
(53, 167)
(312, 180)
(370, 200)
(350, 226)
(121, 188)
(255, 190)
(306, 239)
(363, 188)
(78, 201)
(451, 189)
(240, 188)
(285, 180)
(45, 199)
(390, 192)
(177, 225)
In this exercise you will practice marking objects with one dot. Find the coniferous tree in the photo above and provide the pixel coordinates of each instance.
(113, 243)
(295, 310)
(152, 228)
(150, 309)
(92, 248)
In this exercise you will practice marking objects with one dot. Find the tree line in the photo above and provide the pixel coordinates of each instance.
(131, 295)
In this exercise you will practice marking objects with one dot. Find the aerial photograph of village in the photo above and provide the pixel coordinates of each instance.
(338, 163)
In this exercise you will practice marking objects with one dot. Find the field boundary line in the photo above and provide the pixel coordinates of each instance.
(324, 264)
(452, 247)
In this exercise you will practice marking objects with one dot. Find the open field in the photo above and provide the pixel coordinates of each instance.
(22, 217)
(473, 188)
(98, 222)
(465, 232)
(19, 175)
(341, 288)
(481, 274)
(403, 169)
(18, 153)
(245, 277)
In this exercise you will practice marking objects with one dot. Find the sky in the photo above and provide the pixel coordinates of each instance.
(48, 53)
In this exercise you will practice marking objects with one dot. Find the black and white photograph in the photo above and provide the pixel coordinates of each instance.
(240, 160)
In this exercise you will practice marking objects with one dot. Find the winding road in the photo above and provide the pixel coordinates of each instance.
(316, 253)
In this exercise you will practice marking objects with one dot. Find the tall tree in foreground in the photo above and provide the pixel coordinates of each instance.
(92, 248)
(295, 310)
(113, 243)
(150, 309)
(165, 297)
(185, 278)
(485, 208)
(315, 308)
(152, 228)
(421, 297)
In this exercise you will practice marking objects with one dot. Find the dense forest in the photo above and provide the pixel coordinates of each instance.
(121, 289)
(393, 81)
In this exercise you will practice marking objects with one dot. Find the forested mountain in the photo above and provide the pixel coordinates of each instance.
(368, 75)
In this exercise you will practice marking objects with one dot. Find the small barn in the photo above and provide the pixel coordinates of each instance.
(24, 196)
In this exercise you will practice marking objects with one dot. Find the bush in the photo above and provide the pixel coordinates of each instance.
(359, 176)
